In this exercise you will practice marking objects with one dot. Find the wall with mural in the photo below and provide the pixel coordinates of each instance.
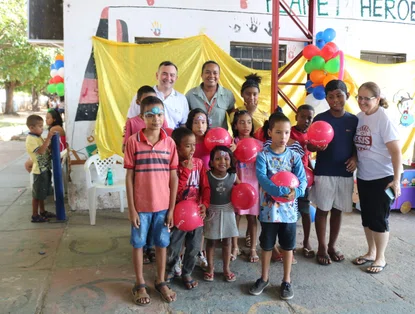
(372, 25)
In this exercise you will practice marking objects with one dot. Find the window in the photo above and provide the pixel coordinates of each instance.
(382, 57)
(257, 56)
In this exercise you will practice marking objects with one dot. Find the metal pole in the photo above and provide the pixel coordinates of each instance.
(275, 53)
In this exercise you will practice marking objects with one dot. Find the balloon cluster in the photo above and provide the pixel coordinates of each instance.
(325, 63)
(57, 72)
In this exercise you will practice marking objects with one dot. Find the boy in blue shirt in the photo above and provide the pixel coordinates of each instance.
(278, 219)
(333, 172)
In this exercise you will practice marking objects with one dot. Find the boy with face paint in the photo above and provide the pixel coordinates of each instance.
(333, 172)
(151, 161)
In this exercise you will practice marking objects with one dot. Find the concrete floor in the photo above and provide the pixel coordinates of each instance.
(76, 268)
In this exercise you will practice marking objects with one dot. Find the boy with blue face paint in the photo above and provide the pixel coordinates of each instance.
(151, 161)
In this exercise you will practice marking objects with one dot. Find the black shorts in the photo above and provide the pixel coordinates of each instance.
(42, 185)
(286, 233)
(374, 203)
(304, 203)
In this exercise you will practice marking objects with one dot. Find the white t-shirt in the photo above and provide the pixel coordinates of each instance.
(372, 133)
(176, 108)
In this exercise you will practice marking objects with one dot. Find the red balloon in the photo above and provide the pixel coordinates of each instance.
(287, 179)
(329, 51)
(169, 131)
(311, 51)
(320, 133)
(310, 176)
(217, 136)
(57, 79)
(186, 216)
(247, 149)
(244, 196)
(51, 81)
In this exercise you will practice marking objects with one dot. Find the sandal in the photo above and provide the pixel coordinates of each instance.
(324, 259)
(276, 257)
(47, 214)
(361, 261)
(376, 269)
(308, 253)
(235, 255)
(39, 218)
(254, 258)
(230, 277)
(139, 296)
(248, 240)
(208, 276)
(146, 260)
(336, 256)
(168, 296)
(189, 283)
(151, 254)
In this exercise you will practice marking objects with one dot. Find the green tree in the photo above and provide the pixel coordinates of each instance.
(22, 65)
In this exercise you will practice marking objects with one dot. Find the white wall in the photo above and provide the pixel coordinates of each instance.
(373, 25)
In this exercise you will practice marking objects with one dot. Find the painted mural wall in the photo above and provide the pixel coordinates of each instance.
(372, 25)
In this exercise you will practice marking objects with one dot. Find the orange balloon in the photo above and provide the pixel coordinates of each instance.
(59, 57)
(329, 77)
(317, 76)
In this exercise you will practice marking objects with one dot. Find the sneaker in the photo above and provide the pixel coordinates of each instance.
(178, 268)
(201, 260)
(258, 287)
(286, 291)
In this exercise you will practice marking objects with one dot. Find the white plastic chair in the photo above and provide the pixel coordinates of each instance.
(97, 184)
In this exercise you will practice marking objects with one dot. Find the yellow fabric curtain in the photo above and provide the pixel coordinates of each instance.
(123, 67)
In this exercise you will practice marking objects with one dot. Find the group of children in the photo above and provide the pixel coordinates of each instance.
(182, 169)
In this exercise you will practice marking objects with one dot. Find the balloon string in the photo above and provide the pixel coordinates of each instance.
(341, 70)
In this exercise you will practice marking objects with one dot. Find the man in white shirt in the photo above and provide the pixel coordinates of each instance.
(176, 108)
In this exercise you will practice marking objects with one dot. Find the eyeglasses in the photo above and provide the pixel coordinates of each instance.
(360, 98)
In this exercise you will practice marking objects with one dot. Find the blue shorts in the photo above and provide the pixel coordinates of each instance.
(160, 232)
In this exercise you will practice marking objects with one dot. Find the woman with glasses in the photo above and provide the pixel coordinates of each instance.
(378, 172)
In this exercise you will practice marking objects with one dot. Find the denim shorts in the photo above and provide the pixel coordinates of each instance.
(286, 233)
(160, 232)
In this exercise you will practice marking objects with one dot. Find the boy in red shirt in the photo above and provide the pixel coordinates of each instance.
(193, 185)
(151, 162)
(304, 118)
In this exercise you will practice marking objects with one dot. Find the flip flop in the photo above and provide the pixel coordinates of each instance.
(169, 293)
(308, 253)
(138, 296)
(188, 283)
(208, 276)
(230, 277)
(321, 259)
(254, 258)
(361, 261)
(336, 256)
(381, 268)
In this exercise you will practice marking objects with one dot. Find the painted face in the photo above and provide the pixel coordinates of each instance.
(49, 119)
(280, 133)
(244, 125)
(166, 76)
(37, 129)
(210, 75)
(304, 119)
(144, 96)
(250, 96)
(187, 147)
(336, 100)
(221, 162)
(153, 116)
(199, 125)
(368, 103)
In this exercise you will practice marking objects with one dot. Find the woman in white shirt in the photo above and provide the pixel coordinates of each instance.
(379, 169)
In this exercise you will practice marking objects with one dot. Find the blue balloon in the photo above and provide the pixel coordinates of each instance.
(320, 43)
(58, 64)
(329, 34)
(308, 86)
(319, 92)
(312, 213)
(319, 35)
(53, 67)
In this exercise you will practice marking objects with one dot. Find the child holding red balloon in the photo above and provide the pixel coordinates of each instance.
(193, 185)
(304, 118)
(243, 128)
(278, 218)
(220, 223)
(333, 174)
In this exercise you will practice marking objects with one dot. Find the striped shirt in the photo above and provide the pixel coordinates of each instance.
(152, 165)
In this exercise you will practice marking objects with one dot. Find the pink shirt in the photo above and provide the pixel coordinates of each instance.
(201, 152)
(152, 165)
(134, 125)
